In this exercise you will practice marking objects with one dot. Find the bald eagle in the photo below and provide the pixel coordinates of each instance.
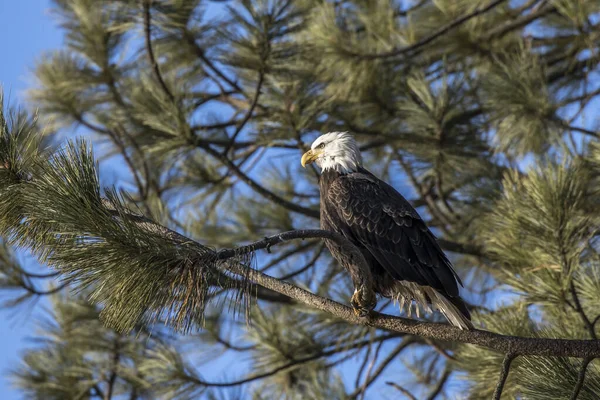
(404, 258)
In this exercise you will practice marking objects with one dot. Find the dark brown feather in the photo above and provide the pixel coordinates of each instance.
(382, 223)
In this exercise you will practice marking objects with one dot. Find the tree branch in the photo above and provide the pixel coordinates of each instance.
(507, 344)
(282, 368)
(440, 385)
(390, 357)
(153, 63)
(580, 378)
(402, 390)
(440, 32)
(202, 56)
(257, 187)
(586, 321)
(249, 112)
(517, 23)
(113, 374)
(503, 375)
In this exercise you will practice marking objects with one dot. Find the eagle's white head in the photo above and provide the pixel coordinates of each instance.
(334, 150)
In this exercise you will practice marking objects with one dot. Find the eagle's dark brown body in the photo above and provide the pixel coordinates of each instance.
(404, 257)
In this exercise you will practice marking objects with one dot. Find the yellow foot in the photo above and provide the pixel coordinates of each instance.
(363, 302)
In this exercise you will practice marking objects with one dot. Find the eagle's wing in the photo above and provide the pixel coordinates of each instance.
(377, 217)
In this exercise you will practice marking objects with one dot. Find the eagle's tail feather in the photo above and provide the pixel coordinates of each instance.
(453, 308)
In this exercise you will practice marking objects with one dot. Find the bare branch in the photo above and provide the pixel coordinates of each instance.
(390, 357)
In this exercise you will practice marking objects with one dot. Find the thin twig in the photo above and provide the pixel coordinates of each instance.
(40, 276)
(364, 386)
(440, 384)
(201, 54)
(440, 350)
(365, 359)
(580, 378)
(153, 62)
(38, 292)
(244, 121)
(113, 374)
(281, 368)
(517, 23)
(259, 188)
(308, 265)
(588, 324)
(382, 366)
(503, 375)
(402, 390)
(440, 32)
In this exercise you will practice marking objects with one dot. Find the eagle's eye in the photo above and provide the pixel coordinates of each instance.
(321, 146)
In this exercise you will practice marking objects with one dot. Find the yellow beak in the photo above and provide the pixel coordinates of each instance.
(309, 157)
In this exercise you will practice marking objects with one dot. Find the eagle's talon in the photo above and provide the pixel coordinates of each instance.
(362, 306)
(362, 312)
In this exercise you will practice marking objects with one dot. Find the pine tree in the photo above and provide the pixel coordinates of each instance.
(482, 113)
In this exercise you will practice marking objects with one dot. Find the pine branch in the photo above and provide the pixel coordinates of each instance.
(513, 345)
(440, 32)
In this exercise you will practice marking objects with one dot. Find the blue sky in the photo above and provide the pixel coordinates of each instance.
(26, 30)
